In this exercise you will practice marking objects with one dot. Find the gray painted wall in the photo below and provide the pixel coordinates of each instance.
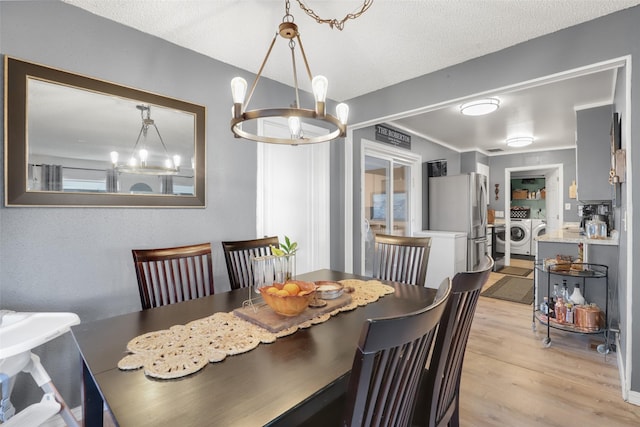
(79, 259)
(609, 37)
(469, 161)
(567, 158)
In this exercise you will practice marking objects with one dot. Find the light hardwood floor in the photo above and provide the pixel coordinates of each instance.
(510, 379)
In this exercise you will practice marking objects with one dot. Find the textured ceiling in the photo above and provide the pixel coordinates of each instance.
(393, 41)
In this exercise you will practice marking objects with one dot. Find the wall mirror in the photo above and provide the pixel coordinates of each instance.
(71, 140)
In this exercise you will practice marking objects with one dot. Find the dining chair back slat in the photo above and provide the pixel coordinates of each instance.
(238, 255)
(170, 275)
(388, 364)
(401, 258)
(438, 401)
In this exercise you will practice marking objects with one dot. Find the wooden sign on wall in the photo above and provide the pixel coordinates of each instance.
(393, 137)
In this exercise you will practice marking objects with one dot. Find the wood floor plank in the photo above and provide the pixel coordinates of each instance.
(510, 379)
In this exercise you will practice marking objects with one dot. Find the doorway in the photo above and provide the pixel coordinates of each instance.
(553, 176)
(293, 199)
(391, 195)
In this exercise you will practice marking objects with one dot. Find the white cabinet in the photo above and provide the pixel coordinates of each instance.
(448, 255)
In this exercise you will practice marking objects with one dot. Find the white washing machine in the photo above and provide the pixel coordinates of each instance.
(519, 235)
(538, 228)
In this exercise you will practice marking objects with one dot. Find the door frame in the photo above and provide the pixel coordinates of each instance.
(400, 156)
(559, 199)
(318, 189)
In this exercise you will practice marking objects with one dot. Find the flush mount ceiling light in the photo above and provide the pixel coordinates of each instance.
(520, 141)
(294, 114)
(480, 107)
(139, 162)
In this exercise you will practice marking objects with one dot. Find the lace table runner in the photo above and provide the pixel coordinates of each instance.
(185, 349)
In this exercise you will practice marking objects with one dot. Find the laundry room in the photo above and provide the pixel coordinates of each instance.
(528, 215)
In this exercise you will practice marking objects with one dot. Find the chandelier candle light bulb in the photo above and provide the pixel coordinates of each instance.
(144, 155)
(342, 111)
(295, 127)
(320, 84)
(238, 92)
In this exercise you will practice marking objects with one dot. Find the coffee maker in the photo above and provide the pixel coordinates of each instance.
(601, 210)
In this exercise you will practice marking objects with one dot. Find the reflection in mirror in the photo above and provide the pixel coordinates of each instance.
(73, 145)
(73, 140)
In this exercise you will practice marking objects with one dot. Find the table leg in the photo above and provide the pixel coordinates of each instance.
(92, 403)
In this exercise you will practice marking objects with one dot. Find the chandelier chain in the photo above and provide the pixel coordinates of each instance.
(288, 17)
(333, 23)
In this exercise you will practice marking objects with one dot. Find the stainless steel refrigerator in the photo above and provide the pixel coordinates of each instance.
(459, 203)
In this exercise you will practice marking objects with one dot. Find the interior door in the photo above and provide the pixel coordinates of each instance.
(293, 195)
(555, 216)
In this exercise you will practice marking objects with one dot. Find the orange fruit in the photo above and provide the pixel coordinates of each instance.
(291, 288)
(282, 293)
(272, 290)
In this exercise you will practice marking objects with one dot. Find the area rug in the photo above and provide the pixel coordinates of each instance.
(515, 271)
(509, 288)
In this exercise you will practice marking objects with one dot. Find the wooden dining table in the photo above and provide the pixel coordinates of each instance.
(277, 384)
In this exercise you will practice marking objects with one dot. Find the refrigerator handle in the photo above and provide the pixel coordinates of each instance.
(483, 204)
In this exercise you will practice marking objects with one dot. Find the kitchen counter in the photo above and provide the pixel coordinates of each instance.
(573, 235)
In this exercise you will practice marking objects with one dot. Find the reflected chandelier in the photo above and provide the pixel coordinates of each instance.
(138, 162)
(294, 115)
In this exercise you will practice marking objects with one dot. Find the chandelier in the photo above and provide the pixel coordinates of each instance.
(294, 114)
(139, 160)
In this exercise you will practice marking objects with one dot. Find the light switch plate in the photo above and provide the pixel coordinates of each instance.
(499, 214)
(567, 206)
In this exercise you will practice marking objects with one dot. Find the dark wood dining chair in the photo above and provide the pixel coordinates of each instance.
(401, 258)
(438, 401)
(170, 275)
(388, 365)
(238, 254)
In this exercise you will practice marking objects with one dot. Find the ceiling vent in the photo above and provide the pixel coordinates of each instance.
(495, 150)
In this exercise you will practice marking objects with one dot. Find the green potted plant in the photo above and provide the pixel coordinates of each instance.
(287, 252)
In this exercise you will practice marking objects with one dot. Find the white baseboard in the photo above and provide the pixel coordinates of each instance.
(634, 397)
(621, 369)
(629, 396)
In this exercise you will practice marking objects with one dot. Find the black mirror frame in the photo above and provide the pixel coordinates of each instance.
(15, 142)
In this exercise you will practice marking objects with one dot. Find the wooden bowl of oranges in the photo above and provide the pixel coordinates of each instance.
(289, 298)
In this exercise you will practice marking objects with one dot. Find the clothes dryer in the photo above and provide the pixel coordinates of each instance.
(520, 236)
(538, 228)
